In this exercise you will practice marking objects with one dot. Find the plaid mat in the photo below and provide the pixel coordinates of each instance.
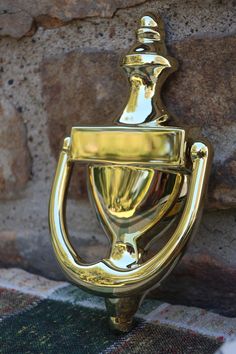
(42, 316)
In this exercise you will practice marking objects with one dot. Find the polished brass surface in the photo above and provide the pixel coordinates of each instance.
(147, 66)
(163, 146)
(146, 182)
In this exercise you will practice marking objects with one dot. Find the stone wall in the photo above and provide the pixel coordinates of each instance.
(59, 67)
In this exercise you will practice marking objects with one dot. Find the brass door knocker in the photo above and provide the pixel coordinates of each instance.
(147, 181)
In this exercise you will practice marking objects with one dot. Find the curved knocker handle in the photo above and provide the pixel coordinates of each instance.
(102, 277)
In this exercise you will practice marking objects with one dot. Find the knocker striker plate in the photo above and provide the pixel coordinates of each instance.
(146, 181)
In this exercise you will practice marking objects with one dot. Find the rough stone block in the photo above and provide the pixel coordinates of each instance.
(20, 17)
(202, 94)
(14, 157)
(206, 275)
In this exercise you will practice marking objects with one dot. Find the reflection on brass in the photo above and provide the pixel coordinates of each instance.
(146, 180)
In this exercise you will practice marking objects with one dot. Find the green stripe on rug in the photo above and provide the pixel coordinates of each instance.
(56, 327)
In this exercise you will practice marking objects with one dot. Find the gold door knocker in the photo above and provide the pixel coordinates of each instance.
(146, 180)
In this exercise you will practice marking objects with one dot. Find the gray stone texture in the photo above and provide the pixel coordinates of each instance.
(59, 67)
(14, 157)
(21, 17)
